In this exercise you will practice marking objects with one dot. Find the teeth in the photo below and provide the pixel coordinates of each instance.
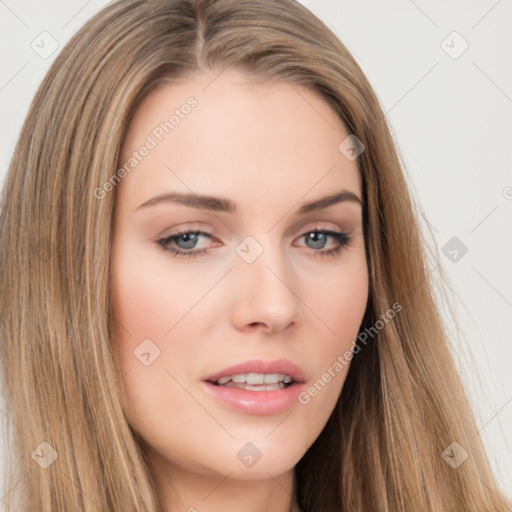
(267, 387)
(256, 380)
(274, 378)
(251, 387)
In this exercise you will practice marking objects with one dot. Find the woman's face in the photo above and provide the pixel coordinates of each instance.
(260, 288)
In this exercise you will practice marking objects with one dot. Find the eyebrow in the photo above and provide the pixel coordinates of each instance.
(220, 204)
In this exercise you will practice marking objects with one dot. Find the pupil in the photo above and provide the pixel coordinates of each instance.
(189, 239)
(318, 239)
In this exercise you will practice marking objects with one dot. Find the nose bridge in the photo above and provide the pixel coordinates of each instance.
(265, 281)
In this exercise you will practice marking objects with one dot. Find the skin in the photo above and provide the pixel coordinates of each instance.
(269, 147)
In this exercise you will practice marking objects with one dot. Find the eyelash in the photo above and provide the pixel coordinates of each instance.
(344, 239)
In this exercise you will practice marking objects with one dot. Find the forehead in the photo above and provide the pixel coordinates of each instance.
(225, 133)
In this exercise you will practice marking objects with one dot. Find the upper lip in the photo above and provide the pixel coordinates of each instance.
(283, 366)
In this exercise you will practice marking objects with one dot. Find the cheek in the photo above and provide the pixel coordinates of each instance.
(150, 297)
(345, 305)
(149, 313)
(147, 308)
(340, 309)
(339, 303)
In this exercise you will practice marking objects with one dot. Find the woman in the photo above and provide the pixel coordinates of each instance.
(220, 297)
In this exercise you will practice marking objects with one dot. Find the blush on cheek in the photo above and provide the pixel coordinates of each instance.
(342, 307)
(142, 304)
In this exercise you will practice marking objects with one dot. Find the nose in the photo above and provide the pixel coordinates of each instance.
(264, 295)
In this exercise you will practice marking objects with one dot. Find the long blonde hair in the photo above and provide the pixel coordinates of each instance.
(402, 404)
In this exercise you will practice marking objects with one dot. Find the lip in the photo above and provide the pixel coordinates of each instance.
(257, 402)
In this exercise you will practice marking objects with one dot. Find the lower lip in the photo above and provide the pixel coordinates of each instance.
(256, 402)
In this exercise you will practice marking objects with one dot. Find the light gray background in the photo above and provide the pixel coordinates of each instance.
(452, 120)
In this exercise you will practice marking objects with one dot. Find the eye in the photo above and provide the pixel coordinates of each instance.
(186, 241)
(318, 238)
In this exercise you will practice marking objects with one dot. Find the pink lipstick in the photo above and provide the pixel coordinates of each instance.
(257, 386)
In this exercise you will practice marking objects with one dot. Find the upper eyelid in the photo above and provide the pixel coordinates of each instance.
(203, 232)
(318, 226)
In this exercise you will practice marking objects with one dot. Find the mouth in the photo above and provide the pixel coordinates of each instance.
(257, 387)
(255, 381)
